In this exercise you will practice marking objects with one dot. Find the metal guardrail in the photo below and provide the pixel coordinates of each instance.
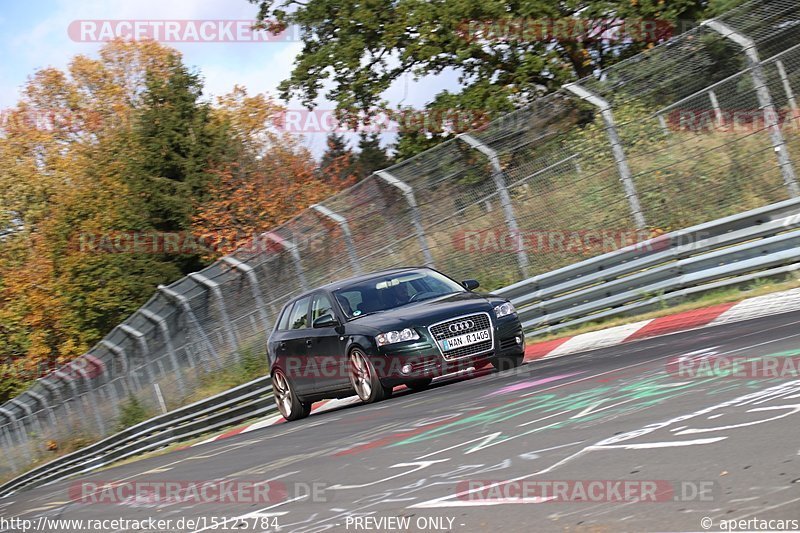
(250, 400)
(736, 249)
(728, 251)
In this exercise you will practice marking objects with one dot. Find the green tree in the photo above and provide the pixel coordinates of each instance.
(360, 48)
(371, 156)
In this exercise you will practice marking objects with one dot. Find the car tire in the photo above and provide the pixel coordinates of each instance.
(507, 362)
(419, 384)
(289, 404)
(364, 378)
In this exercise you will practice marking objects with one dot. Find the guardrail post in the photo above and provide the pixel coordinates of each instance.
(292, 249)
(213, 286)
(788, 88)
(138, 337)
(348, 237)
(505, 197)
(193, 322)
(408, 193)
(616, 147)
(252, 280)
(161, 323)
(764, 100)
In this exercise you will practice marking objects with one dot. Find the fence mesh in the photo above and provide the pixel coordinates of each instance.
(689, 131)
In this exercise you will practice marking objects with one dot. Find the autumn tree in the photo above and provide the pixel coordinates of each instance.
(272, 178)
(79, 156)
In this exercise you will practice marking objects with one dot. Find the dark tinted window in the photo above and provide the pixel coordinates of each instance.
(321, 306)
(395, 290)
(284, 321)
(299, 315)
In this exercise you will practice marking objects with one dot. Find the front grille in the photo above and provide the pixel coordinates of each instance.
(480, 321)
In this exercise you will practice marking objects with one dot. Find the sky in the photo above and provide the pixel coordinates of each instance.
(35, 34)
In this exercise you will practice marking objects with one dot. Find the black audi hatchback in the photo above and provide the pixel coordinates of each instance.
(370, 333)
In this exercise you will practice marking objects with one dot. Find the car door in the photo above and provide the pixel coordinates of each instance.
(296, 364)
(326, 346)
(277, 340)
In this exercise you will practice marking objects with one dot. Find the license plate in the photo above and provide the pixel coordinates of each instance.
(466, 339)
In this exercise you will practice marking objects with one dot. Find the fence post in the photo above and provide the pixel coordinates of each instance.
(45, 407)
(408, 193)
(505, 197)
(127, 369)
(22, 436)
(138, 337)
(252, 279)
(788, 88)
(55, 392)
(663, 122)
(764, 100)
(292, 249)
(101, 427)
(7, 445)
(184, 303)
(213, 287)
(28, 414)
(348, 237)
(718, 118)
(161, 323)
(616, 147)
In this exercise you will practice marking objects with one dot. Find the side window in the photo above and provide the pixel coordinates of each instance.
(299, 315)
(283, 324)
(350, 301)
(321, 306)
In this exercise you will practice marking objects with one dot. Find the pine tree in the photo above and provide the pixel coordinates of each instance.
(371, 156)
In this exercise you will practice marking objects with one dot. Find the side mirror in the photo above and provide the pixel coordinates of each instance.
(470, 284)
(325, 321)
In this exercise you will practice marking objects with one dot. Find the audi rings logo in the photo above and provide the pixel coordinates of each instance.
(464, 325)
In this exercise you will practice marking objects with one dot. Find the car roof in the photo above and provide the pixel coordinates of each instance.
(334, 285)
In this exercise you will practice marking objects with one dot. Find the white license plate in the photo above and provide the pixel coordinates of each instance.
(465, 340)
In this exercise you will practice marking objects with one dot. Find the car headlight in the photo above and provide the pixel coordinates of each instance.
(391, 337)
(504, 310)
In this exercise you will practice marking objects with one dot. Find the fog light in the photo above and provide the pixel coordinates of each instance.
(405, 369)
(518, 339)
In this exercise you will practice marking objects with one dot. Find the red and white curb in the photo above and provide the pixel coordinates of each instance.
(760, 306)
(770, 304)
(319, 407)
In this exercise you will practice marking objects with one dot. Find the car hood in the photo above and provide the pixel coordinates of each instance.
(426, 312)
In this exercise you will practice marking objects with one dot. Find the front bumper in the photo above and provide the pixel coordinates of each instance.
(403, 362)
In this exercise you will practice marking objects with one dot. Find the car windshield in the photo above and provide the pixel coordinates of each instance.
(394, 290)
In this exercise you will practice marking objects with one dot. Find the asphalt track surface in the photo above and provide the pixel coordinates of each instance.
(718, 448)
